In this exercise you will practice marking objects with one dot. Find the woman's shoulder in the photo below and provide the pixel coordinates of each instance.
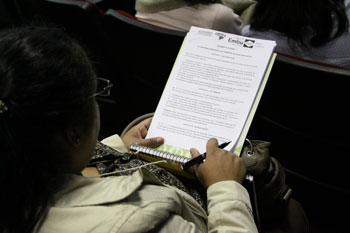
(214, 7)
(126, 202)
(220, 17)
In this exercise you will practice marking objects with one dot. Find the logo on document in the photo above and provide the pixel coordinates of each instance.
(220, 35)
(248, 43)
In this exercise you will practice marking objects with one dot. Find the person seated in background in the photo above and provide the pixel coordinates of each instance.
(182, 14)
(49, 126)
(316, 30)
(244, 8)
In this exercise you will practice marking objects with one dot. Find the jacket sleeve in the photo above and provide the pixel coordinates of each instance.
(115, 142)
(229, 205)
(229, 208)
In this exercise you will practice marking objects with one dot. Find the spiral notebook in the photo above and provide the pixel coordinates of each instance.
(213, 91)
(173, 164)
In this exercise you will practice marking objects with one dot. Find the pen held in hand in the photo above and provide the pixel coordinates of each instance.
(200, 158)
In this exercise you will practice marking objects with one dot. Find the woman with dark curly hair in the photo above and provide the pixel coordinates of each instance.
(316, 30)
(49, 125)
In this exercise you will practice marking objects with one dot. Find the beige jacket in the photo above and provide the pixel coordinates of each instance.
(141, 203)
(213, 16)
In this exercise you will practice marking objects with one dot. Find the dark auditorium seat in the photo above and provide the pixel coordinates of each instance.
(20, 10)
(82, 20)
(124, 5)
(304, 113)
(144, 57)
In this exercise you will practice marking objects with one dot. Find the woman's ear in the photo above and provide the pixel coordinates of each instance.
(73, 136)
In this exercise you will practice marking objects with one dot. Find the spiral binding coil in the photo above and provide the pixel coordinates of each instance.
(158, 154)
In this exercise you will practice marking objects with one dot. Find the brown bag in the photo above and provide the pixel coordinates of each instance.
(276, 211)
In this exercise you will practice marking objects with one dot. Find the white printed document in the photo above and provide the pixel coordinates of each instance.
(212, 92)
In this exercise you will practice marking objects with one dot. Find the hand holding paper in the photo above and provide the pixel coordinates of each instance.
(212, 92)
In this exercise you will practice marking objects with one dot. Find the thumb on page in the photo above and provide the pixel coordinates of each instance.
(194, 169)
(151, 142)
